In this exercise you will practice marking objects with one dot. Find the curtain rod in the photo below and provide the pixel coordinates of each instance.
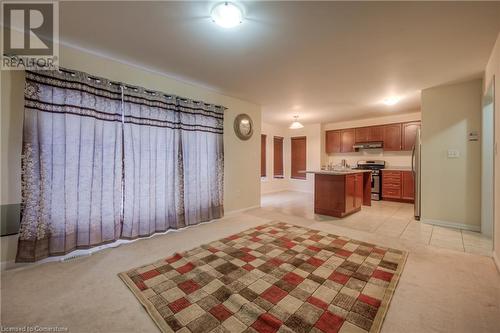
(75, 73)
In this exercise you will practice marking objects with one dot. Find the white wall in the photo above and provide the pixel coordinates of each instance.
(451, 187)
(492, 74)
(241, 165)
(392, 159)
(312, 133)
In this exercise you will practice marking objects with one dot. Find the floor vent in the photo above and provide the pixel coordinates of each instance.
(75, 256)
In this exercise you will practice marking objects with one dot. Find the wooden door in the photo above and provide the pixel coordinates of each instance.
(263, 140)
(361, 134)
(392, 137)
(407, 186)
(333, 142)
(299, 157)
(347, 138)
(409, 134)
(278, 157)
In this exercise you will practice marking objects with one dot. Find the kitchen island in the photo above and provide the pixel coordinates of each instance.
(340, 193)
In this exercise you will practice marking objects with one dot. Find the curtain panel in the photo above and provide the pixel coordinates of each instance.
(104, 160)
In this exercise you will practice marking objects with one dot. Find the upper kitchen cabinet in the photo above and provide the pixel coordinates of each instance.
(369, 134)
(332, 142)
(347, 138)
(409, 134)
(392, 137)
(395, 137)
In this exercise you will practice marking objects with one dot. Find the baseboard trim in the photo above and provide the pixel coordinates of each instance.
(236, 211)
(496, 260)
(449, 224)
(274, 191)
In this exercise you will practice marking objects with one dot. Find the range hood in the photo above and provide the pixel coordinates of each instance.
(368, 145)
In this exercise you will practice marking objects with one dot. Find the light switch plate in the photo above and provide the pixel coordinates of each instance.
(453, 153)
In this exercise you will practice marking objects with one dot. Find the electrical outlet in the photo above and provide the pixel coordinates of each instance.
(453, 153)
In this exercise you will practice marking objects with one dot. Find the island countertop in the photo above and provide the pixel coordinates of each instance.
(337, 172)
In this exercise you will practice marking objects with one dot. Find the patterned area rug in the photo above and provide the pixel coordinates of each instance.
(274, 278)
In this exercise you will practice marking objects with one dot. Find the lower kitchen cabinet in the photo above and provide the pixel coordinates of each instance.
(340, 195)
(398, 185)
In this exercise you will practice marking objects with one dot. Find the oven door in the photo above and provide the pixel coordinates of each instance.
(375, 186)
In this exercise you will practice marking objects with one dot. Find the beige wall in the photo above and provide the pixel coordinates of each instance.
(451, 187)
(492, 74)
(241, 165)
(312, 133)
(392, 159)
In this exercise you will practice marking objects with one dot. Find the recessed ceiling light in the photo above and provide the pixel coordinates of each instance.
(391, 100)
(227, 14)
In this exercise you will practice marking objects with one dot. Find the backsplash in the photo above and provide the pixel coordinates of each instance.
(392, 159)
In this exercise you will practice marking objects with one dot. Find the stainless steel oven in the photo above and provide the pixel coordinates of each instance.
(375, 166)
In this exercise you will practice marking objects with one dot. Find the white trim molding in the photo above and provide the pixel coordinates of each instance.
(449, 224)
(236, 211)
(496, 260)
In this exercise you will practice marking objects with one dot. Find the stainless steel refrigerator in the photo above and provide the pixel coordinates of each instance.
(416, 158)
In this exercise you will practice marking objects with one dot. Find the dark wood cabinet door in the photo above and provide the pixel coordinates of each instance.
(407, 186)
(298, 158)
(333, 142)
(350, 192)
(409, 134)
(358, 197)
(361, 134)
(392, 137)
(376, 133)
(347, 138)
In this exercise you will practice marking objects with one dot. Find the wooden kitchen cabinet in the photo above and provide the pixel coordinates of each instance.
(340, 195)
(392, 137)
(407, 186)
(340, 141)
(347, 139)
(395, 137)
(409, 134)
(333, 142)
(369, 134)
(397, 185)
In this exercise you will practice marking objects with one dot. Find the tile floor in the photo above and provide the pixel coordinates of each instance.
(392, 219)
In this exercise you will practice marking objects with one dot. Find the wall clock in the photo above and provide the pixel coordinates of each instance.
(243, 126)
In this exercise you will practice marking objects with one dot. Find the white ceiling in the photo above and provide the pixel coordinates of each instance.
(325, 61)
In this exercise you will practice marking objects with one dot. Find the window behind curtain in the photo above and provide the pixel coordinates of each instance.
(263, 140)
(278, 157)
(299, 157)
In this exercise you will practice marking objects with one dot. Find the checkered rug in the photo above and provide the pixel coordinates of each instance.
(273, 278)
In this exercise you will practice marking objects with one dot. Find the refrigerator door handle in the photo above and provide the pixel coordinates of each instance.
(413, 159)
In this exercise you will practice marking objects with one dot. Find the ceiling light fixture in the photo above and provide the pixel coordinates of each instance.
(227, 14)
(391, 100)
(295, 124)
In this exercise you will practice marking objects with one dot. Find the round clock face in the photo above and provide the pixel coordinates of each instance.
(243, 126)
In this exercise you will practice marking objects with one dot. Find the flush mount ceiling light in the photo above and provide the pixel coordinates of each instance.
(296, 124)
(391, 100)
(227, 14)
